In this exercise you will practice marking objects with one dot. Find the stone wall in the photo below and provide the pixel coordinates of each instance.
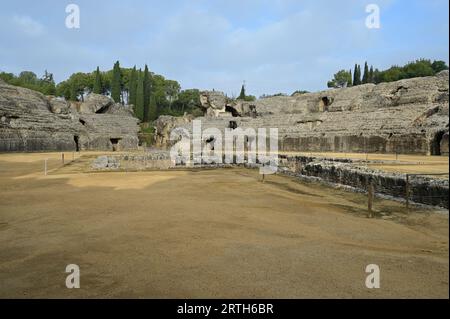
(424, 190)
(30, 121)
(409, 117)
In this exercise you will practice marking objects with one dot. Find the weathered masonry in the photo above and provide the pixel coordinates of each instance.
(30, 121)
(406, 117)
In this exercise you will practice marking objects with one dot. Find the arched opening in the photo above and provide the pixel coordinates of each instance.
(324, 103)
(232, 125)
(211, 141)
(231, 110)
(436, 143)
(115, 144)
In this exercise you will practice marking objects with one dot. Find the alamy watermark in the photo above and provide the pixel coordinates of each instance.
(373, 19)
(373, 279)
(73, 279)
(73, 17)
(232, 145)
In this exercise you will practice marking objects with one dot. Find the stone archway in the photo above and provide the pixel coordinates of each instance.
(115, 144)
(435, 145)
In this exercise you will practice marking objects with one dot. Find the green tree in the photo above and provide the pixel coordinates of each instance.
(355, 73)
(242, 94)
(146, 82)
(341, 79)
(371, 75)
(132, 87)
(296, 92)
(439, 66)
(116, 89)
(351, 78)
(7, 77)
(187, 101)
(365, 78)
(98, 82)
(172, 89)
(73, 92)
(27, 77)
(139, 107)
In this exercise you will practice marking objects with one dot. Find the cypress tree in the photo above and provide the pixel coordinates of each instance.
(350, 83)
(139, 107)
(358, 78)
(147, 85)
(116, 83)
(371, 75)
(153, 113)
(365, 78)
(242, 94)
(132, 87)
(355, 75)
(97, 83)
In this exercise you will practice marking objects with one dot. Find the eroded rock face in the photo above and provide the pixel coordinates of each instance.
(408, 116)
(164, 125)
(59, 105)
(95, 103)
(30, 121)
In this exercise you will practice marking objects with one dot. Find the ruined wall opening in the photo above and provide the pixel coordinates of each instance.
(77, 143)
(324, 103)
(232, 125)
(115, 144)
(231, 110)
(210, 141)
(103, 109)
(436, 143)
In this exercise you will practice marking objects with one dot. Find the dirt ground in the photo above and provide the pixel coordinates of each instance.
(207, 234)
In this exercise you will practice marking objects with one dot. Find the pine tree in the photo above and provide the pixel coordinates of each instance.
(73, 92)
(242, 94)
(132, 87)
(116, 83)
(147, 86)
(365, 78)
(139, 107)
(371, 75)
(98, 82)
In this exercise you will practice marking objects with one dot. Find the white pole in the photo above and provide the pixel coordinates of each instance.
(45, 166)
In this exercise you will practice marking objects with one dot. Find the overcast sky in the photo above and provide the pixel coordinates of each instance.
(274, 45)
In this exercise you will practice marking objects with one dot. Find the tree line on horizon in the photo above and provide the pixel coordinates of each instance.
(150, 94)
(418, 68)
(153, 95)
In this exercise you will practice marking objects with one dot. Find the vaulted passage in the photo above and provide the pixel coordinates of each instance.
(436, 143)
(232, 125)
(324, 103)
(115, 144)
(232, 110)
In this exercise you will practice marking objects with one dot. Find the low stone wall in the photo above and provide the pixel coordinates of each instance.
(341, 171)
(424, 190)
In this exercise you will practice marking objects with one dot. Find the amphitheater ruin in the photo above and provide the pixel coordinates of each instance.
(211, 226)
(408, 117)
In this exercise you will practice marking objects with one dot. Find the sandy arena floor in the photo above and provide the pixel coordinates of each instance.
(207, 234)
